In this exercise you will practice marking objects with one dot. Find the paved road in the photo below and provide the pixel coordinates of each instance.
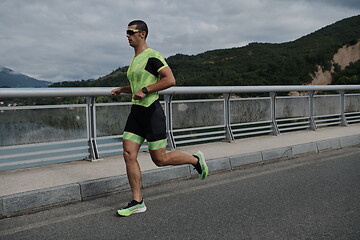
(314, 197)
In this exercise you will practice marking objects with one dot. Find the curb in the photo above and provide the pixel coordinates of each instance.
(38, 200)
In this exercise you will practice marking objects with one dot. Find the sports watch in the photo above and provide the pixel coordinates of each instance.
(145, 90)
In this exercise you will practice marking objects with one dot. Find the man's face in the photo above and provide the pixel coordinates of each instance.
(134, 36)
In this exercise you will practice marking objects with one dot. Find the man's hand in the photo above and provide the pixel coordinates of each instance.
(123, 89)
(116, 91)
(139, 95)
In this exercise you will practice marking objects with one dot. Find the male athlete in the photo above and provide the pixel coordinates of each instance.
(148, 73)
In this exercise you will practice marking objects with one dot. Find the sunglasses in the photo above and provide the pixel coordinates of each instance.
(132, 31)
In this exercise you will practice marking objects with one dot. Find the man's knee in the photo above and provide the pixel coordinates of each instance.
(160, 159)
(129, 156)
(130, 150)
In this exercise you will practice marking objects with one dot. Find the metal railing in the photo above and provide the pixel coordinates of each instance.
(187, 122)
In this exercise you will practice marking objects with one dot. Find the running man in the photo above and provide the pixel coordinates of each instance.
(148, 73)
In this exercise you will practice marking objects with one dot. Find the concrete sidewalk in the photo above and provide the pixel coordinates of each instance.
(34, 189)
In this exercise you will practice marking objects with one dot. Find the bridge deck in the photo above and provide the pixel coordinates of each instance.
(76, 181)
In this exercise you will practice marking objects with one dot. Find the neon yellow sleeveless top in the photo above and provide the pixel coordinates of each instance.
(144, 71)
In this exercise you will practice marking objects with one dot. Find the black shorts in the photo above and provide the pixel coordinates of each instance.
(147, 123)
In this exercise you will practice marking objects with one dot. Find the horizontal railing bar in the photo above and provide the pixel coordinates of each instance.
(327, 120)
(293, 128)
(292, 119)
(249, 123)
(292, 124)
(36, 107)
(110, 137)
(39, 160)
(198, 134)
(327, 95)
(353, 121)
(328, 124)
(330, 115)
(197, 101)
(55, 92)
(197, 129)
(352, 117)
(110, 151)
(113, 104)
(248, 99)
(43, 152)
(200, 140)
(252, 133)
(254, 89)
(352, 113)
(31, 145)
(294, 97)
(106, 91)
(249, 129)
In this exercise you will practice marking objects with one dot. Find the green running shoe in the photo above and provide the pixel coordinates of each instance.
(204, 168)
(132, 207)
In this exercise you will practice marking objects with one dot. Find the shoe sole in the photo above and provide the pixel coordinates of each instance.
(138, 210)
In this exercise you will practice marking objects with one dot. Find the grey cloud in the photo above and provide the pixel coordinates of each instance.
(70, 40)
(352, 4)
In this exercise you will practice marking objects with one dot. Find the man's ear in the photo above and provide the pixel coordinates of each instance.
(143, 34)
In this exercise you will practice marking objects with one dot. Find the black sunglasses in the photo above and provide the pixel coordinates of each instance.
(132, 31)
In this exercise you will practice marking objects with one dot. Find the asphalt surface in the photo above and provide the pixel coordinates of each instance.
(312, 197)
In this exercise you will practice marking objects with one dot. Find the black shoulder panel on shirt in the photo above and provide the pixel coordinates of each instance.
(153, 66)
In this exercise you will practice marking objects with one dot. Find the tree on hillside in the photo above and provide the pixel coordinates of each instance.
(350, 75)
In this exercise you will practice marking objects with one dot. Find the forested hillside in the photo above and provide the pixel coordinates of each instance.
(257, 63)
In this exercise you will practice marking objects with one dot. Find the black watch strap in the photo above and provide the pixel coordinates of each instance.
(145, 90)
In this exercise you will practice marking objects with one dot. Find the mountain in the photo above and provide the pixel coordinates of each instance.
(289, 63)
(12, 79)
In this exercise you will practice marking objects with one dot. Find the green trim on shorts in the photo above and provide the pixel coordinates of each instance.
(133, 137)
(157, 144)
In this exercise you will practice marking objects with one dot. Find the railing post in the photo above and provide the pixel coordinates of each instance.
(169, 120)
(91, 128)
(342, 109)
(229, 135)
(312, 122)
(273, 113)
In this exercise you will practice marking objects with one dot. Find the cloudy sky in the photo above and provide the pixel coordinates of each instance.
(58, 40)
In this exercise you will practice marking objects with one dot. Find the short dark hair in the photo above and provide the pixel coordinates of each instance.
(140, 25)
